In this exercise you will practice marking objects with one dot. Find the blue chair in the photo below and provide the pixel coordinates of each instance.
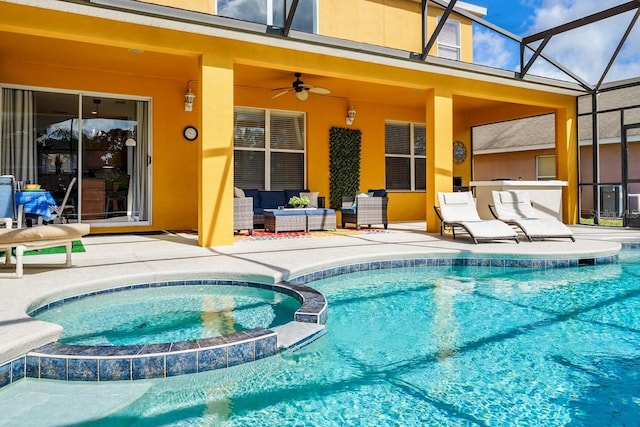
(8, 212)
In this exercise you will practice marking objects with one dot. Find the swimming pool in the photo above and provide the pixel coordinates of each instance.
(442, 346)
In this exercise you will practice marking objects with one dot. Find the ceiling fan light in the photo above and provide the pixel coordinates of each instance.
(302, 95)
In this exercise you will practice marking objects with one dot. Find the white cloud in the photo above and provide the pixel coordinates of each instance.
(586, 50)
(489, 48)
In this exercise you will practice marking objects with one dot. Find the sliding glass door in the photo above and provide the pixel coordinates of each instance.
(49, 138)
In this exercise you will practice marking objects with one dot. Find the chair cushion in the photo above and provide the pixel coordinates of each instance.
(256, 197)
(348, 210)
(272, 199)
(456, 198)
(355, 200)
(378, 193)
(237, 192)
(313, 198)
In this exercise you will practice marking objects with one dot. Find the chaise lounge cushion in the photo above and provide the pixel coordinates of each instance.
(45, 236)
(16, 236)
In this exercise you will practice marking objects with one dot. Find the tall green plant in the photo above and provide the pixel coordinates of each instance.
(344, 164)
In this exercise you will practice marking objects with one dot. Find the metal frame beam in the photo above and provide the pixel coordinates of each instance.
(288, 19)
(434, 37)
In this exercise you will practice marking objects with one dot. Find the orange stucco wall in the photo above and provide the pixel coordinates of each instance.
(173, 159)
(192, 182)
(322, 113)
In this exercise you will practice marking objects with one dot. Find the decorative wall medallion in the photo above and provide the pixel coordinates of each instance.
(459, 152)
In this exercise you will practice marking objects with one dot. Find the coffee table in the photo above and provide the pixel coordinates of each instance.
(278, 220)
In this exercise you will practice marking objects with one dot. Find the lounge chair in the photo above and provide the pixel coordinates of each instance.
(33, 238)
(458, 210)
(515, 208)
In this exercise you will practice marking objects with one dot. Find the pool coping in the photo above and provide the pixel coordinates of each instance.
(164, 360)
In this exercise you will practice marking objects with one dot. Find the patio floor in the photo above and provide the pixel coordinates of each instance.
(112, 260)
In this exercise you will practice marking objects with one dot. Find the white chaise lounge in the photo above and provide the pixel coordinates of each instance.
(515, 208)
(45, 236)
(458, 210)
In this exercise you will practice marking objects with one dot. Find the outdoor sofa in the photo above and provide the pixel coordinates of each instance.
(271, 199)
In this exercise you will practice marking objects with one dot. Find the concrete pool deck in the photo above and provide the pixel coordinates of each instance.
(125, 259)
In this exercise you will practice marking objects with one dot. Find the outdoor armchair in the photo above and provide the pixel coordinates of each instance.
(367, 209)
(243, 214)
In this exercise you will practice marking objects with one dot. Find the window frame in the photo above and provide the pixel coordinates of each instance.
(412, 156)
(267, 149)
(457, 48)
(545, 177)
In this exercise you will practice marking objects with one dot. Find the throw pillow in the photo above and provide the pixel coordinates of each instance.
(238, 192)
(313, 198)
(355, 200)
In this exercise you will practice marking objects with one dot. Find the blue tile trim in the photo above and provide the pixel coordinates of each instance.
(81, 363)
(85, 363)
(535, 263)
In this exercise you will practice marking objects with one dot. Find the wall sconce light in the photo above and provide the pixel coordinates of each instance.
(351, 115)
(189, 97)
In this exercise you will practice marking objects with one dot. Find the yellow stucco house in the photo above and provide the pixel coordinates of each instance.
(102, 90)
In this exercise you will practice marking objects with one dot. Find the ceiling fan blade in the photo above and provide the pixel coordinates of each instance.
(278, 95)
(319, 90)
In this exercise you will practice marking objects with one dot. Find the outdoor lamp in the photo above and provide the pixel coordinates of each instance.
(351, 115)
(189, 97)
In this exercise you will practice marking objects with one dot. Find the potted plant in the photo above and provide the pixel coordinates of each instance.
(299, 202)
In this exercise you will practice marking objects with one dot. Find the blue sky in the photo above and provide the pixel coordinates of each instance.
(585, 51)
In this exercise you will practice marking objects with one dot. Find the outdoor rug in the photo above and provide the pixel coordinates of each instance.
(267, 235)
(76, 246)
(259, 235)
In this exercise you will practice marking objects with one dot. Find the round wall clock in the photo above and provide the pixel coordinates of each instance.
(459, 152)
(190, 133)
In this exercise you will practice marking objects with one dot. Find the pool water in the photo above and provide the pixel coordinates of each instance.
(168, 314)
(445, 346)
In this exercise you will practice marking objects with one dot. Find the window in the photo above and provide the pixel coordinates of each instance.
(271, 12)
(405, 156)
(449, 40)
(545, 168)
(269, 149)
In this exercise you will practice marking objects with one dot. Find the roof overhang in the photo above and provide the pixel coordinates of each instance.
(140, 13)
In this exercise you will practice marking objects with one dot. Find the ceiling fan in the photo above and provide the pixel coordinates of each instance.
(301, 89)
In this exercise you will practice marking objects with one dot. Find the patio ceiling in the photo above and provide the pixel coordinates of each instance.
(354, 91)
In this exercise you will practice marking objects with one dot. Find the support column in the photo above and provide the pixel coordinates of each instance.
(215, 169)
(439, 150)
(567, 161)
